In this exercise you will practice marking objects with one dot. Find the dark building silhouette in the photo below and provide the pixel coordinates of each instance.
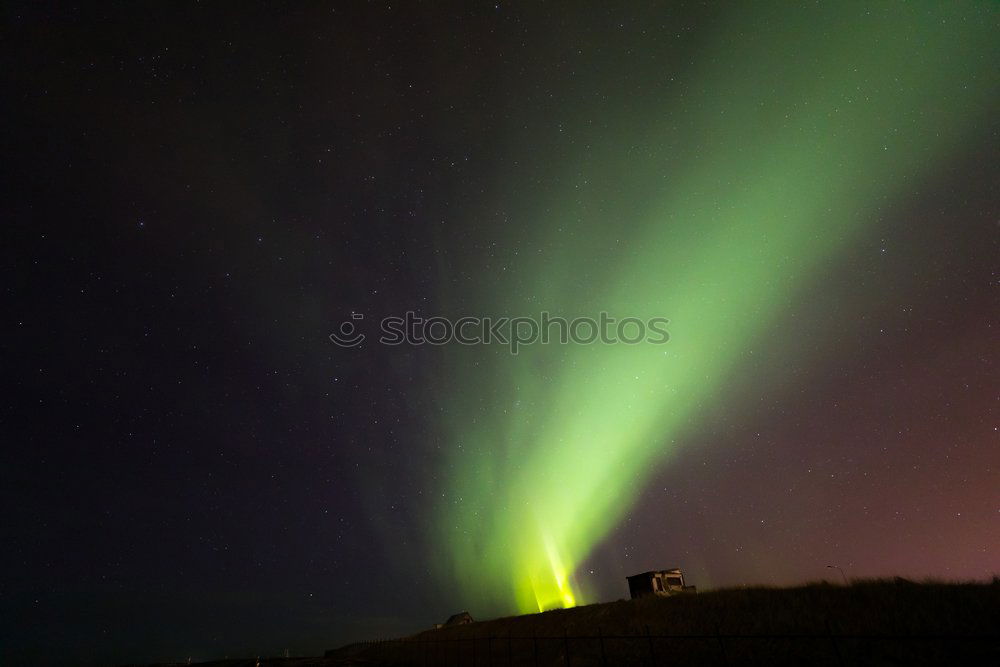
(462, 618)
(658, 582)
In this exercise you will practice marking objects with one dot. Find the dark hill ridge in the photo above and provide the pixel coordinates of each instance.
(885, 622)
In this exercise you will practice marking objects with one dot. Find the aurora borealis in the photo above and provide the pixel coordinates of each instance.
(204, 193)
(756, 168)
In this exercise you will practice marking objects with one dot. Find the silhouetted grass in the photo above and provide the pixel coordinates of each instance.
(878, 622)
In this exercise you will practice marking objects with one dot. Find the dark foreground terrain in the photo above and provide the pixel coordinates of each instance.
(870, 623)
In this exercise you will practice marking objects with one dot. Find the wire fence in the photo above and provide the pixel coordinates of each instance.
(646, 648)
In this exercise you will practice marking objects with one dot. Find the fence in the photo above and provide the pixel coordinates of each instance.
(645, 648)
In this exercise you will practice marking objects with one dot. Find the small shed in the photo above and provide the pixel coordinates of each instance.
(658, 582)
(461, 618)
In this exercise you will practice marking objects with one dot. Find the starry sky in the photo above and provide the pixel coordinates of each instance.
(199, 194)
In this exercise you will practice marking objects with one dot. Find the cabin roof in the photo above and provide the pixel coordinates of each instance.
(673, 570)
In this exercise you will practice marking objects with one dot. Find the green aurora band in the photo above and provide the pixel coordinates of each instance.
(712, 201)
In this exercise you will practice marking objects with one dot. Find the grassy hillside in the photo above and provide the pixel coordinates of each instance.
(869, 623)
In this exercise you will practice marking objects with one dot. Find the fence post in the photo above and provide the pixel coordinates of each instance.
(489, 651)
(508, 648)
(534, 643)
(833, 642)
(722, 646)
(566, 646)
(604, 656)
(652, 654)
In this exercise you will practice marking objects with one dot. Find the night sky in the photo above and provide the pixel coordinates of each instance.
(198, 195)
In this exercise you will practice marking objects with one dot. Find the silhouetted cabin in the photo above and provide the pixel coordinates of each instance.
(463, 618)
(658, 582)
